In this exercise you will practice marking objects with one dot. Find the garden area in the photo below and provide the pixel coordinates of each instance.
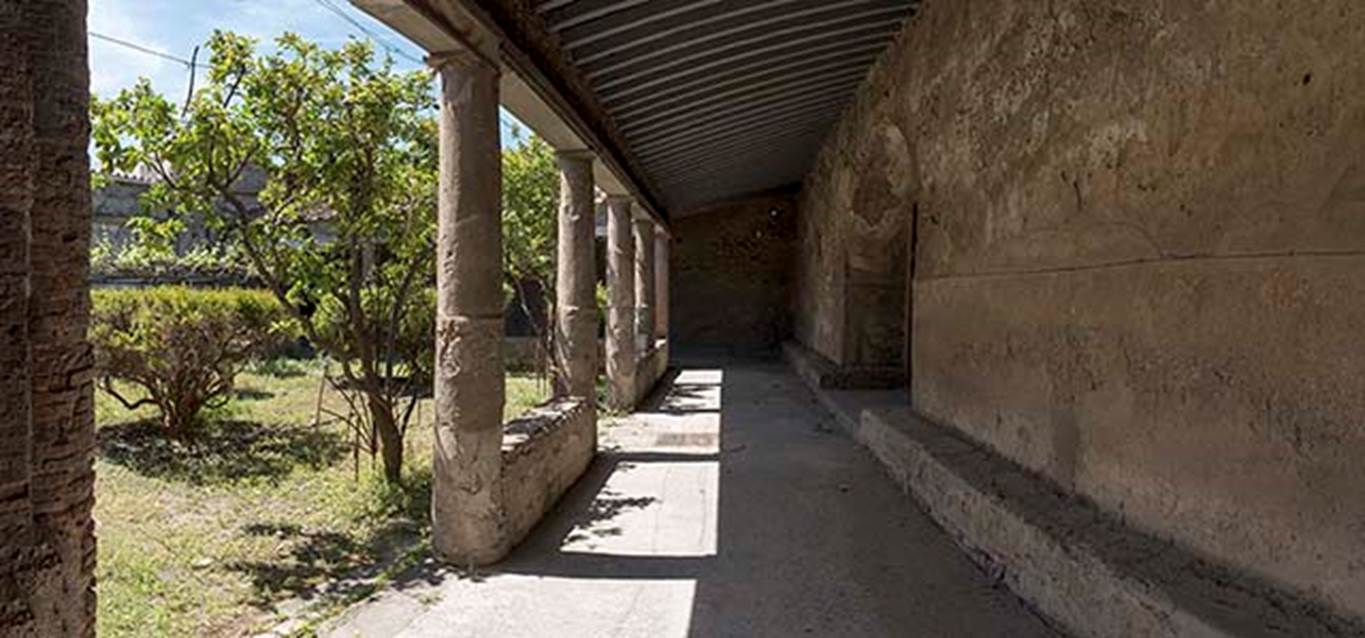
(265, 440)
(263, 509)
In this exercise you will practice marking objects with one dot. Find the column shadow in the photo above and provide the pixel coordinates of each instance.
(735, 482)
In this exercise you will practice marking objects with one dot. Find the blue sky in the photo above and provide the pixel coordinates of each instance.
(175, 27)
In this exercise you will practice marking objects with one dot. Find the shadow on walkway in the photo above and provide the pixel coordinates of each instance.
(728, 507)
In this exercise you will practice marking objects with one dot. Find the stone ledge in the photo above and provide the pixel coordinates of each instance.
(1080, 567)
(520, 435)
(544, 452)
(649, 369)
(819, 372)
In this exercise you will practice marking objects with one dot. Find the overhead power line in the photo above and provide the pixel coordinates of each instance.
(325, 3)
(341, 13)
(149, 51)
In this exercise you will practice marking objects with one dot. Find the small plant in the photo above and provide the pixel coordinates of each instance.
(183, 347)
(216, 263)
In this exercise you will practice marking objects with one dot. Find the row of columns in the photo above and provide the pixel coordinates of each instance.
(468, 518)
(637, 284)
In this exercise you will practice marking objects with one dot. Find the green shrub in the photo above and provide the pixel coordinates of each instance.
(183, 347)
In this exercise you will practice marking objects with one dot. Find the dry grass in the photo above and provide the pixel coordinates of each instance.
(206, 536)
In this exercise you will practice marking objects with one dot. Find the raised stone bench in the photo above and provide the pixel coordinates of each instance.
(544, 452)
(819, 372)
(1080, 567)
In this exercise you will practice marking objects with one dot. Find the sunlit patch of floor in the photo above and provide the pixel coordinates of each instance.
(717, 513)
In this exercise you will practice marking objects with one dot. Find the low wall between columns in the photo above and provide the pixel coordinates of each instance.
(547, 449)
(650, 369)
(543, 453)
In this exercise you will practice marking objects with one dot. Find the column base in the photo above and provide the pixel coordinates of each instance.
(544, 452)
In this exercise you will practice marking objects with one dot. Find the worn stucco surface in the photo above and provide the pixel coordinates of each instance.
(732, 276)
(1138, 258)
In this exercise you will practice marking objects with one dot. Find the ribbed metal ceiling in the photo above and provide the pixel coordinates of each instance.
(720, 98)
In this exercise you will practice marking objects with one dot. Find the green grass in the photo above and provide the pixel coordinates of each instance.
(205, 536)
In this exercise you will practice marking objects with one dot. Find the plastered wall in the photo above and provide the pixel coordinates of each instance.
(1136, 232)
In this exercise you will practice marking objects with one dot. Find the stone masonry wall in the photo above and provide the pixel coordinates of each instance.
(47, 545)
(1139, 262)
(543, 453)
(731, 282)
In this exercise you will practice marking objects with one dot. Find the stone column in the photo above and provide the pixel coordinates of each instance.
(620, 304)
(644, 283)
(660, 284)
(575, 294)
(47, 429)
(466, 511)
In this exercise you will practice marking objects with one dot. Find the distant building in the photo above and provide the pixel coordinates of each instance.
(120, 200)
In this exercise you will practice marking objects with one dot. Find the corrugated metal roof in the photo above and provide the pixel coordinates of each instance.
(721, 98)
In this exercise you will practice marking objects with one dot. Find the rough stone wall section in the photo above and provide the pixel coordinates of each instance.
(47, 553)
(1140, 232)
(732, 281)
(543, 454)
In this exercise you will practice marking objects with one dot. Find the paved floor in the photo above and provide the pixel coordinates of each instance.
(731, 508)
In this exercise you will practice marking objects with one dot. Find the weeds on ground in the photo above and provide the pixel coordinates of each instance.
(208, 535)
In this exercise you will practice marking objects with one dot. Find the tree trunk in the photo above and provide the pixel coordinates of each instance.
(390, 438)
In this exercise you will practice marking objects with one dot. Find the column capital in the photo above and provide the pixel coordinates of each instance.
(578, 163)
(576, 154)
(460, 59)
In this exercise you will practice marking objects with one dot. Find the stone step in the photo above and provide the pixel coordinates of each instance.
(1078, 566)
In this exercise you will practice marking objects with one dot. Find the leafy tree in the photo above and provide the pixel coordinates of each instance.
(530, 197)
(340, 139)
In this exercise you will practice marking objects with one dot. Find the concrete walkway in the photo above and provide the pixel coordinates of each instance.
(731, 508)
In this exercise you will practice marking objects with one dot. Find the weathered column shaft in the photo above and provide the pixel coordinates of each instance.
(47, 552)
(644, 282)
(467, 516)
(620, 304)
(16, 201)
(575, 294)
(661, 284)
